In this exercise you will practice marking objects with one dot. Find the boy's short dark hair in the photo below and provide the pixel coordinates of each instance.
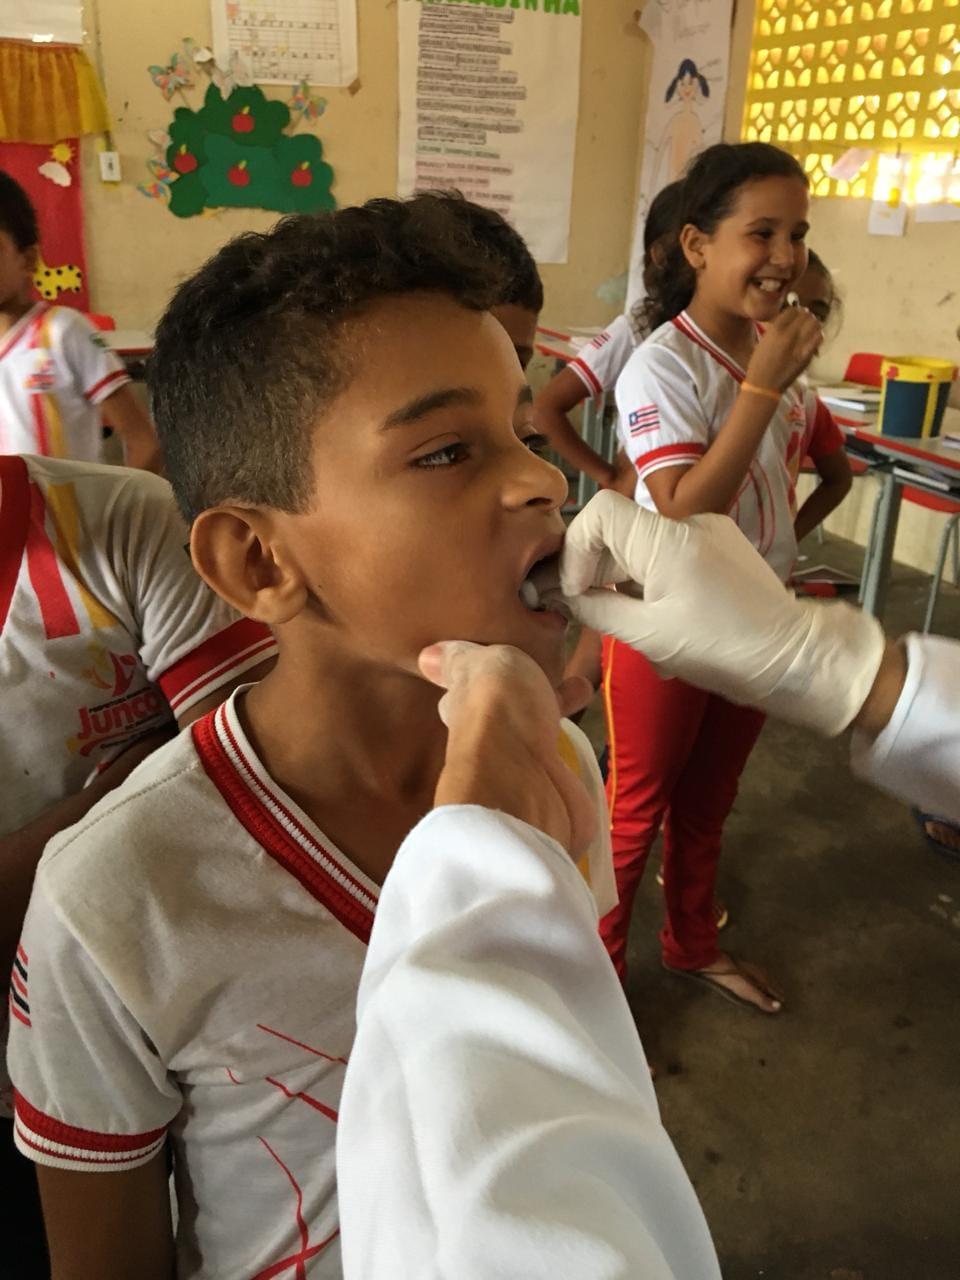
(18, 217)
(494, 234)
(256, 343)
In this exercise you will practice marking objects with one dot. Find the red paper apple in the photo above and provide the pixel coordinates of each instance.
(239, 174)
(184, 161)
(301, 176)
(243, 121)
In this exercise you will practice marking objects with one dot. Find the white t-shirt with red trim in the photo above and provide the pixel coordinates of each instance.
(189, 967)
(673, 398)
(55, 370)
(106, 631)
(599, 364)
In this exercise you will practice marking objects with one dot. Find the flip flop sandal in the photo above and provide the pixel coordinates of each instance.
(710, 980)
(721, 915)
(944, 850)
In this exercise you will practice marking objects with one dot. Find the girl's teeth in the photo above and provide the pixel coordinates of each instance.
(769, 286)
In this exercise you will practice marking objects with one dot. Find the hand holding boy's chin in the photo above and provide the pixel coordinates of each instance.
(503, 719)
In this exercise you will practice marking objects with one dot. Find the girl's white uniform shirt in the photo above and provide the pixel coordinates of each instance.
(673, 398)
(55, 372)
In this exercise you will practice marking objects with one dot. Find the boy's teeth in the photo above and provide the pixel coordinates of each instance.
(530, 595)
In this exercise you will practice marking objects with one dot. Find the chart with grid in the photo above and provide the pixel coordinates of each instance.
(286, 41)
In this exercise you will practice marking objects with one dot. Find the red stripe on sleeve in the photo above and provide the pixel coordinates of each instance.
(106, 386)
(14, 518)
(586, 375)
(46, 574)
(213, 662)
(69, 1135)
(669, 453)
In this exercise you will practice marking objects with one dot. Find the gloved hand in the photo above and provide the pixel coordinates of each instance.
(716, 615)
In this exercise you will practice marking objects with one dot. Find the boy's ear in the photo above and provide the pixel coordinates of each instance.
(236, 552)
(692, 241)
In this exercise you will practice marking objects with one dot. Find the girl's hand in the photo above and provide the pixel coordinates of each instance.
(786, 348)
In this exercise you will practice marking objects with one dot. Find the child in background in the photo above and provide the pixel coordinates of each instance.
(714, 419)
(107, 638)
(350, 434)
(58, 380)
(594, 372)
(520, 301)
(816, 289)
(598, 366)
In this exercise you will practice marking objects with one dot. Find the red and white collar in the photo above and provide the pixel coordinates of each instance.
(24, 325)
(277, 824)
(690, 329)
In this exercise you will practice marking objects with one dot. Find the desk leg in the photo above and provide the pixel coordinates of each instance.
(884, 536)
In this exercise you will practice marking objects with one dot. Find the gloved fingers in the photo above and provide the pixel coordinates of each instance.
(611, 540)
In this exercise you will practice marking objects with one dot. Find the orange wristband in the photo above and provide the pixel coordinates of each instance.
(767, 392)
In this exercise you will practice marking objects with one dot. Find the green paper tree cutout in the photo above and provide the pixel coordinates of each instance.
(234, 153)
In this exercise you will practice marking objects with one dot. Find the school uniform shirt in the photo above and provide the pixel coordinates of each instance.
(673, 398)
(55, 370)
(189, 968)
(106, 630)
(600, 363)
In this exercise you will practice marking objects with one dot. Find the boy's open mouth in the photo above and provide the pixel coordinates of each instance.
(539, 590)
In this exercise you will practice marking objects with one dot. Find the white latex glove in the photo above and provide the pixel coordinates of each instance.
(716, 615)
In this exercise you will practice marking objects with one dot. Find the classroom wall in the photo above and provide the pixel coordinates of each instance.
(137, 250)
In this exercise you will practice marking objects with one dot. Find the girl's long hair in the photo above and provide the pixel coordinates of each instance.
(708, 195)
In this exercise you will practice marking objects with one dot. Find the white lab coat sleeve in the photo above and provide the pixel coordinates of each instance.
(917, 756)
(498, 1116)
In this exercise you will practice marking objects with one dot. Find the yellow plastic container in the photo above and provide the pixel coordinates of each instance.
(915, 393)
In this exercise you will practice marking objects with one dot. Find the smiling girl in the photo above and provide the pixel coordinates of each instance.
(714, 419)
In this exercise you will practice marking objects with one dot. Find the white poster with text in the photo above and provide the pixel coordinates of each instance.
(488, 105)
(688, 88)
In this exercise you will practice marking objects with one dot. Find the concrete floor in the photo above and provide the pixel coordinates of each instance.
(824, 1143)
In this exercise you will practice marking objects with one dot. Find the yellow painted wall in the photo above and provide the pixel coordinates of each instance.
(137, 250)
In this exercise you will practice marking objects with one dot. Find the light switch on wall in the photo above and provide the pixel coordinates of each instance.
(109, 166)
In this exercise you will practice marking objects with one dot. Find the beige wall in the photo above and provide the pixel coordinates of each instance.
(137, 250)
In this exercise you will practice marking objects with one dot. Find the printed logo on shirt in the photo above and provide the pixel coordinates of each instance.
(643, 420)
(43, 378)
(99, 341)
(110, 671)
(125, 714)
(19, 999)
(600, 340)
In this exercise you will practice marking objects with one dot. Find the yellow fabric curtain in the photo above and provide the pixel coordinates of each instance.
(48, 92)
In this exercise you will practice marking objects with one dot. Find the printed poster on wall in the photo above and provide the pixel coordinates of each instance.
(688, 88)
(488, 105)
(288, 41)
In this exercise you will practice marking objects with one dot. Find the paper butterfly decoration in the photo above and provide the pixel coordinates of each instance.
(235, 74)
(302, 105)
(178, 75)
(159, 188)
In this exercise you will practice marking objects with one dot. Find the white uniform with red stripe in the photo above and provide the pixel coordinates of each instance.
(189, 965)
(673, 398)
(105, 628)
(600, 363)
(55, 369)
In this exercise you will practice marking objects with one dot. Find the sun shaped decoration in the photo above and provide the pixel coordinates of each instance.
(62, 152)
